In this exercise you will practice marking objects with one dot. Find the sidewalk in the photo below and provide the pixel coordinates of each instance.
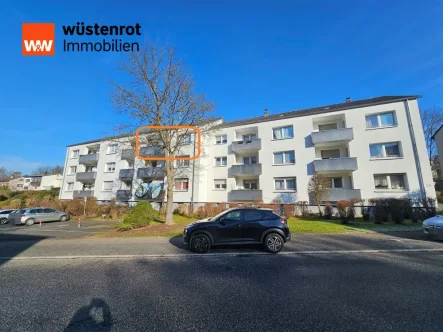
(148, 246)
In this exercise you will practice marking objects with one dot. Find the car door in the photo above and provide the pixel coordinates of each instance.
(51, 215)
(229, 228)
(39, 214)
(252, 227)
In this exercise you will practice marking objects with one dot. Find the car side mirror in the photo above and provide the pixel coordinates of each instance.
(222, 221)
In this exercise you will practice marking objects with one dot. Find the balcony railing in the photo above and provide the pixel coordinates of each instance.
(152, 151)
(151, 172)
(340, 194)
(246, 146)
(335, 164)
(240, 195)
(88, 159)
(83, 193)
(126, 174)
(332, 136)
(86, 176)
(124, 195)
(245, 169)
(128, 154)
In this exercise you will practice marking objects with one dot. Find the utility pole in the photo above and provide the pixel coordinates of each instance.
(192, 181)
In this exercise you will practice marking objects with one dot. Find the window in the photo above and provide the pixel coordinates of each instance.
(110, 167)
(328, 126)
(285, 184)
(221, 139)
(182, 163)
(88, 186)
(390, 181)
(27, 180)
(112, 148)
(249, 137)
(72, 169)
(90, 169)
(328, 154)
(286, 157)
(380, 120)
(26, 188)
(107, 185)
(186, 139)
(49, 211)
(336, 182)
(233, 215)
(385, 150)
(249, 160)
(252, 215)
(250, 184)
(220, 184)
(283, 132)
(74, 154)
(181, 185)
(221, 161)
(70, 186)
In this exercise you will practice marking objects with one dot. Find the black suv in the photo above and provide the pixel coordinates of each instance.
(238, 226)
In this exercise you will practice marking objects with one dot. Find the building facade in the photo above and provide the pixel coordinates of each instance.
(368, 148)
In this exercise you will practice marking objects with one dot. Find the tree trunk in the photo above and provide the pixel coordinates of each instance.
(319, 210)
(169, 193)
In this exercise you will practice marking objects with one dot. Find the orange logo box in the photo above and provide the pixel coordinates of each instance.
(38, 39)
(163, 128)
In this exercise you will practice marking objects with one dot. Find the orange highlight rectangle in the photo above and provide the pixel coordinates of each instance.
(38, 39)
(168, 127)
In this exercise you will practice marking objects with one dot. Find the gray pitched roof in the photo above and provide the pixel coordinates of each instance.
(319, 110)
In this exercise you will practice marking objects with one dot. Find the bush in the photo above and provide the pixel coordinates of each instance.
(397, 209)
(440, 198)
(3, 198)
(328, 211)
(140, 215)
(365, 211)
(124, 227)
(343, 208)
(92, 208)
(380, 213)
(288, 210)
(301, 209)
(15, 204)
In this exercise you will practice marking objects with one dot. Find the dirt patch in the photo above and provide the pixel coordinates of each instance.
(159, 229)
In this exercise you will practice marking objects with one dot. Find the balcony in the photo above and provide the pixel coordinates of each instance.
(152, 151)
(335, 165)
(124, 195)
(151, 172)
(83, 193)
(340, 194)
(128, 154)
(244, 170)
(85, 176)
(248, 146)
(88, 159)
(325, 137)
(241, 195)
(126, 174)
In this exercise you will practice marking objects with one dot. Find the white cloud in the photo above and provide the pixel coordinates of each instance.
(13, 163)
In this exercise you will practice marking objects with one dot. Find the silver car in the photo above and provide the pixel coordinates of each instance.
(4, 214)
(434, 227)
(31, 216)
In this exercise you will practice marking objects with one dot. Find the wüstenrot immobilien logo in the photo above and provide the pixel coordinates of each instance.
(38, 39)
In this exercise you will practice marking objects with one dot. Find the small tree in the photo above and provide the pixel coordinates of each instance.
(319, 187)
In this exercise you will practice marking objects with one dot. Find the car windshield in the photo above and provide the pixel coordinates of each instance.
(22, 211)
(220, 214)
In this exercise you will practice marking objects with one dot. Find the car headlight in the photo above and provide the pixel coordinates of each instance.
(185, 231)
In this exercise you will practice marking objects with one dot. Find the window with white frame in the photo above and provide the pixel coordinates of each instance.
(249, 160)
(107, 185)
(181, 184)
(336, 182)
(380, 120)
(283, 132)
(284, 158)
(110, 167)
(72, 169)
(328, 126)
(186, 139)
(88, 186)
(181, 162)
(221, 139)
(285, 184)
(70, 186)
(74, 154)
(221, 161)
(328, 154)
(390, 181)
(249, 137)
(250, 184)
(112, 148)
(220, 184)
(385, 150)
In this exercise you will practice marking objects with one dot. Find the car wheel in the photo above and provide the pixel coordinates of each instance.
(3, 221)
(63, 218)
(200, 243)
(274, 243)
(30, 222)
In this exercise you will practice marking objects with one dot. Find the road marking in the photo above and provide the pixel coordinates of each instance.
(285, 253)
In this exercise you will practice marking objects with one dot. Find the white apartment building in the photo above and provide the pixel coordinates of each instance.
(368, 148)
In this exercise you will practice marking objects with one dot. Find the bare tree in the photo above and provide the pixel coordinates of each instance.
(48, 170)
(432, 120)
(319, 187)
(161, 92)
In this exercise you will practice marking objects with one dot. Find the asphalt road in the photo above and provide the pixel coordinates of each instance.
(322, 292)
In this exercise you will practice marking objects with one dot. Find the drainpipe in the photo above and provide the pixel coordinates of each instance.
(414, 148)
(192, 182)
(62, 186)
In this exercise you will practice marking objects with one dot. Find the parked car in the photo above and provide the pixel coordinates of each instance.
(34, 215)
(238, 226)
(433, 227)
(4, 214)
